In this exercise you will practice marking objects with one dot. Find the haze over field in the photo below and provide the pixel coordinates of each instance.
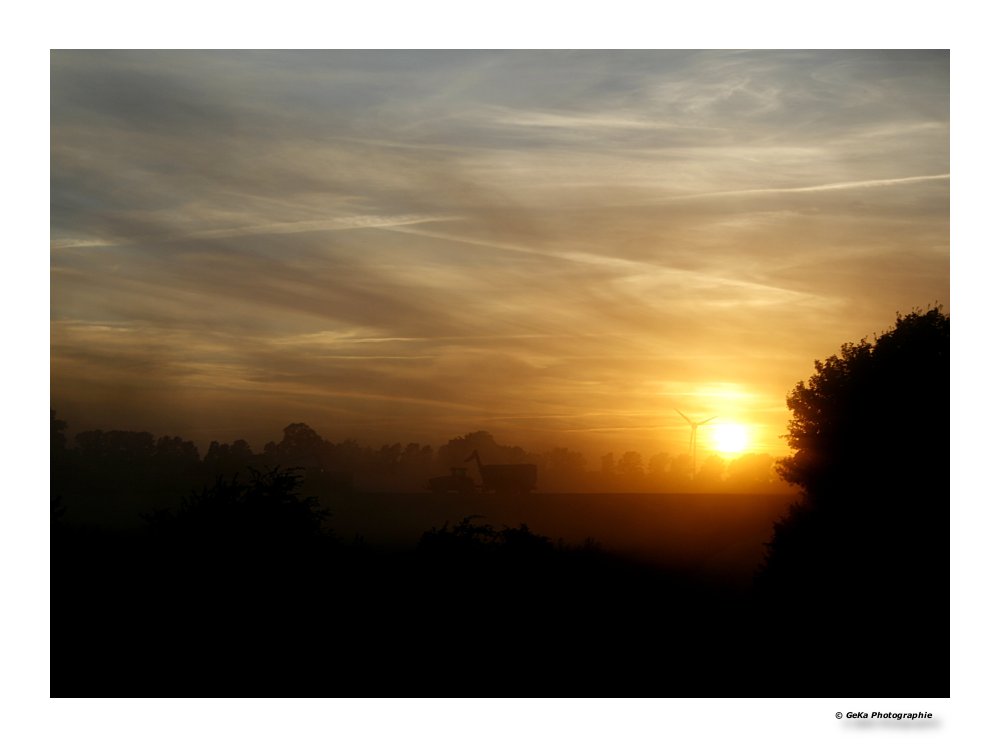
(559, 247)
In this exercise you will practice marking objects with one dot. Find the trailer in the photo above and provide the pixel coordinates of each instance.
(458, 481)
(509, 478)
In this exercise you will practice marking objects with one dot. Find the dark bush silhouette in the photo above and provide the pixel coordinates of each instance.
(265, 511)
(472, 540)
(862, 559)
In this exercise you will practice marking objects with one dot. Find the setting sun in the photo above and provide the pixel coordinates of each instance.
(729, 438)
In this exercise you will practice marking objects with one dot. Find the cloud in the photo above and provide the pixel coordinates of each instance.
(420, 242)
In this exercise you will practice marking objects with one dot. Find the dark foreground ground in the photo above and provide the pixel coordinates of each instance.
(645, 595)
(714, 535)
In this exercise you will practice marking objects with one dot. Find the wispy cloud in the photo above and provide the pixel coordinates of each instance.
(417, 244)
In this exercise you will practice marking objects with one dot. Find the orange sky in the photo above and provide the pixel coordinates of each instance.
(558, 247)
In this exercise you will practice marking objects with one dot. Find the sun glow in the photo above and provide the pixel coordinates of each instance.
(729, 438)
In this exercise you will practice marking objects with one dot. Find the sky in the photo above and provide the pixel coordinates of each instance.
(561, 248)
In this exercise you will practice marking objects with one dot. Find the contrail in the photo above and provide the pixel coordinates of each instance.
(351, 222)
(631, 266)
(868, 184)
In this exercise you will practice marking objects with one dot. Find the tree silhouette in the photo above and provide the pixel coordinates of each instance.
(630, 465)
(710, 472)
(658, 464)
(874, 417)
(228, 458)
(57, 435)
(751, 472)
(456, 450)
(864, 554)
(58, 457)
(300, 446)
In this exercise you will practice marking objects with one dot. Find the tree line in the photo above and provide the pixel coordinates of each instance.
(106, 475)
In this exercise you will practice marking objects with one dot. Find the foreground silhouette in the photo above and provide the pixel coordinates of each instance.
(240, 593)
(857, 573)
(244, 588)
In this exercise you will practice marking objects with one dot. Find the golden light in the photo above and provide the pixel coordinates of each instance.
(729, 438)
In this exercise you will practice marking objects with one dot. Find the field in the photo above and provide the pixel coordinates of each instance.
(713, 535)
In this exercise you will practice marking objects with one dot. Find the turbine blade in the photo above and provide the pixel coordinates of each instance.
(708, 420)
(686, 418)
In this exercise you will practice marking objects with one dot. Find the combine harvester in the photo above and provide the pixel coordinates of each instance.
(509, 478)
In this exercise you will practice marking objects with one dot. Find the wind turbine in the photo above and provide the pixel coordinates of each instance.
(694, 437)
